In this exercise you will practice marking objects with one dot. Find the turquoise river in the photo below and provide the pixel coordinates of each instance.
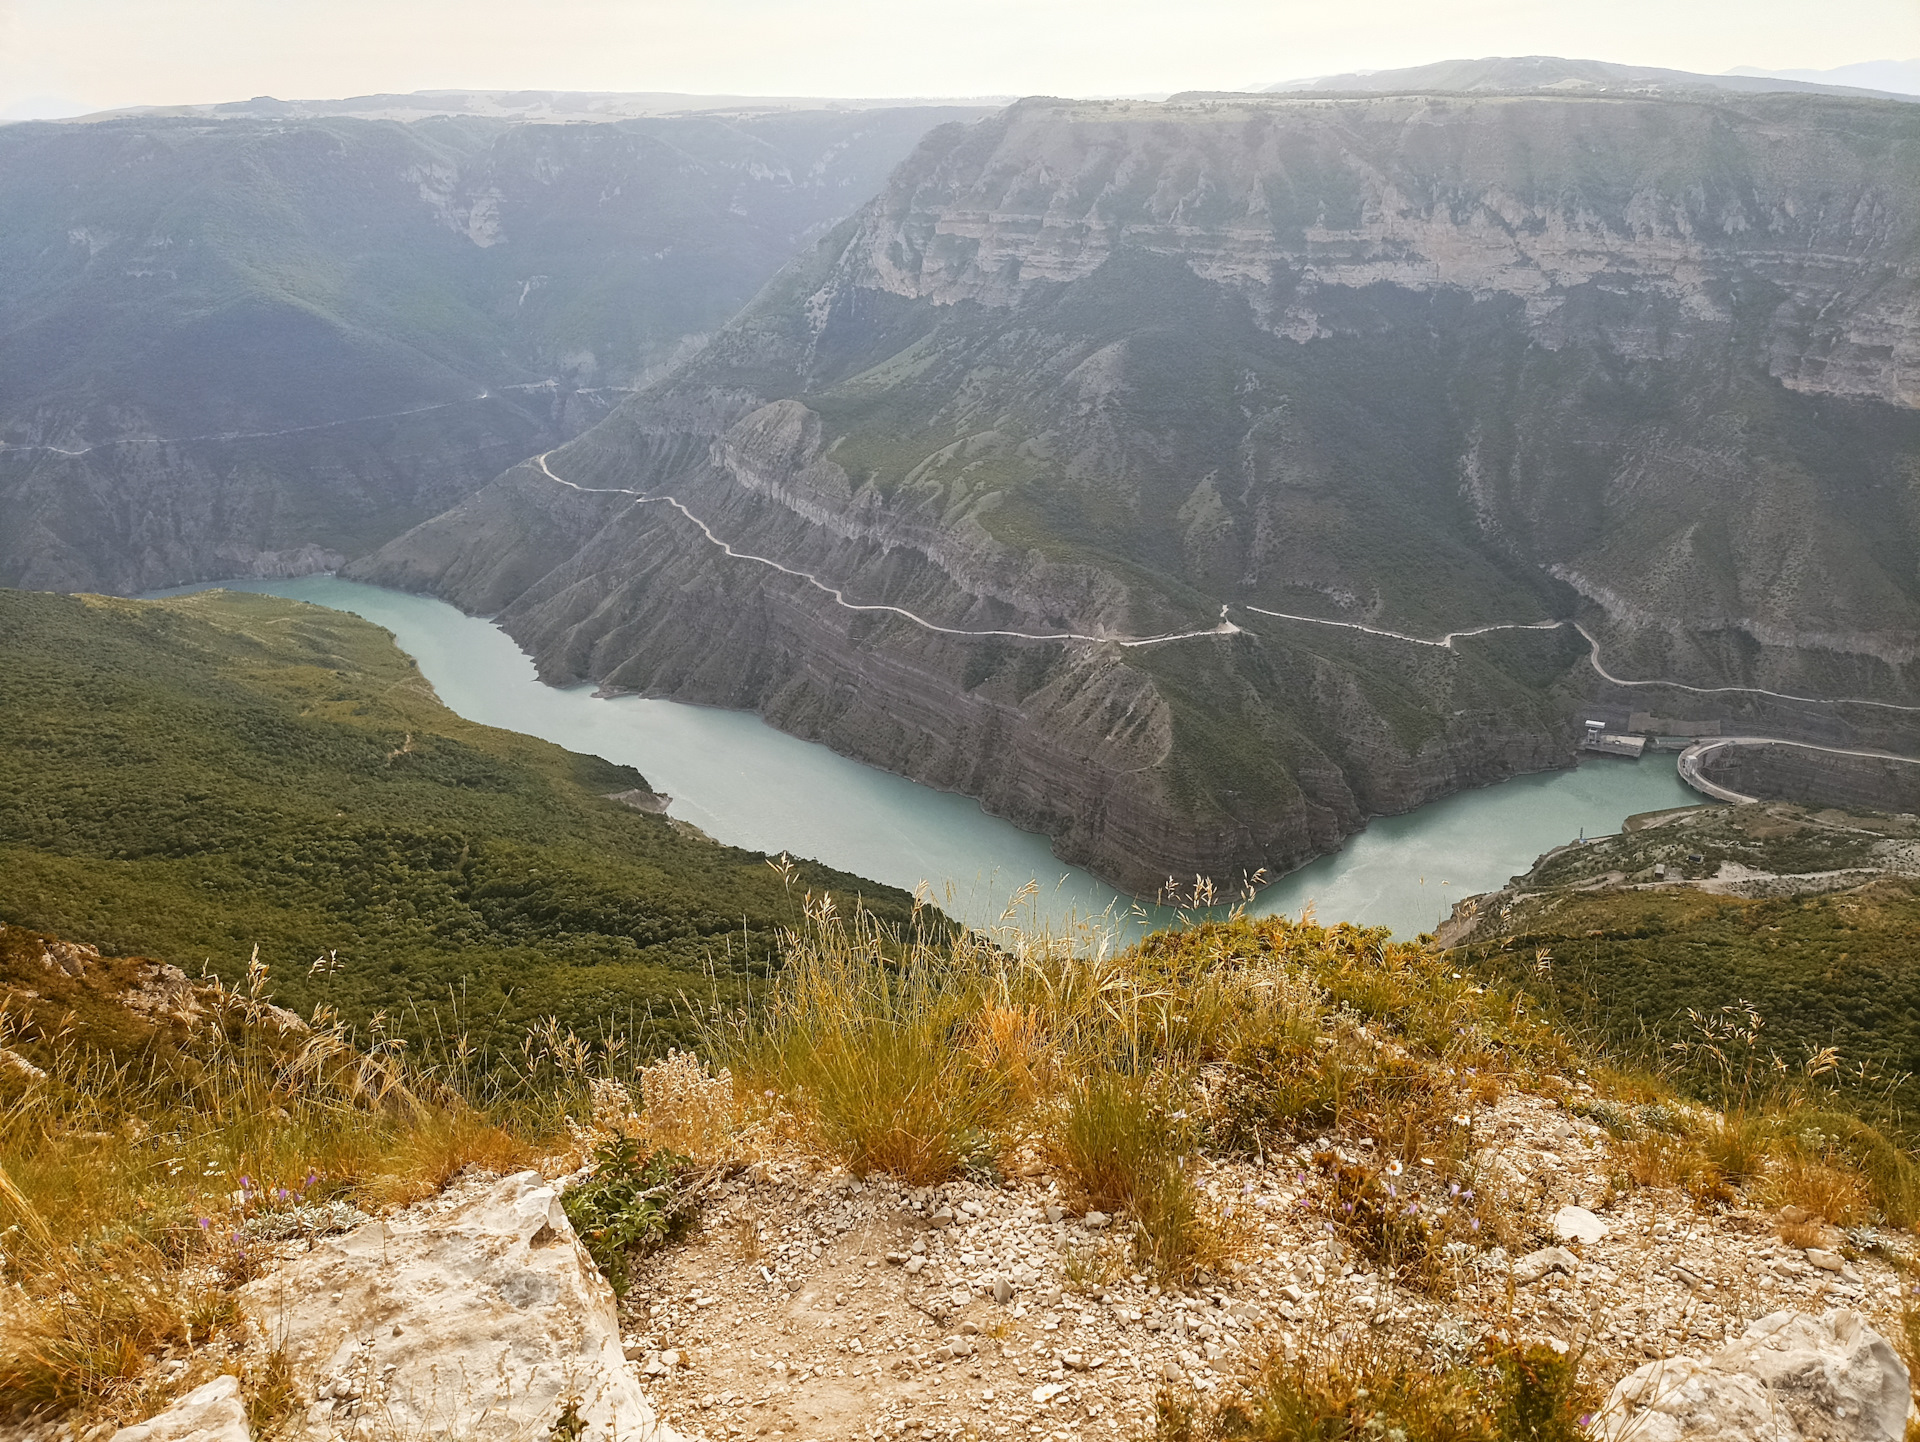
(743, 782)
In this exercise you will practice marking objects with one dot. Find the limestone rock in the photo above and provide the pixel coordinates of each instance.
(1535, 1265)
(482, 1322)
(1577, 1224)
(213, 1413)
(1790, 1378)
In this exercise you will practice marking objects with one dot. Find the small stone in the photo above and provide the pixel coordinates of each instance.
(1577, 1224)
(942, 1218)
(1095, 1220)
(914, 1264)
(1172, 1373)
(1535, 1265)
(1825, 1261)
(1793, 1216)
(1056, 1213)
(1074, 1361)
(1002, 1290)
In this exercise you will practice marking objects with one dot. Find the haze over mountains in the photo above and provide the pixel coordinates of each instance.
(257, 345)
(1890, 80)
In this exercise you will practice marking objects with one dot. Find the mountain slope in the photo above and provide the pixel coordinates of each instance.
(187, 779)
(254, 345)
(1087, 375)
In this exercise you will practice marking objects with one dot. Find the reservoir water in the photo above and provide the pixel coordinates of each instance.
(743, 782)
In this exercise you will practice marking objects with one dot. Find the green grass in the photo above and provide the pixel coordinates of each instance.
(185, 779)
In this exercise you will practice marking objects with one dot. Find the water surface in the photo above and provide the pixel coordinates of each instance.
(743, 782)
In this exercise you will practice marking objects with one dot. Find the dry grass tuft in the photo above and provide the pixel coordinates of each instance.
(929, 1055)
(132, 1175)
(1827, 1191)
(1368, 1392)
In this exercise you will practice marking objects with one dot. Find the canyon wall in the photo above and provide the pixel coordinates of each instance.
(1023, 481)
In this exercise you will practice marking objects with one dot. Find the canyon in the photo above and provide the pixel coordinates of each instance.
(255, 340)
(1087, 374)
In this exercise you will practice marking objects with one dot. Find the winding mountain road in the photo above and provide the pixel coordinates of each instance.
(1593, 658)
(1224, 627)
(1693, 760)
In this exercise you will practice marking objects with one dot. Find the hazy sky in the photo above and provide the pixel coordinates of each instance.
(93, 54)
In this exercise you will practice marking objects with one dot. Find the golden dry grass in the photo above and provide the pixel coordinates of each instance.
(129, 1181)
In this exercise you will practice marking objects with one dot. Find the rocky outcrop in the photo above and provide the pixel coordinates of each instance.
(482, 1318)
(1789, 1377)
(213, 1413)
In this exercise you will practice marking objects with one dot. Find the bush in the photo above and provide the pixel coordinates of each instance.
(866, 1038)
(1124, 1147)
(637, 1200)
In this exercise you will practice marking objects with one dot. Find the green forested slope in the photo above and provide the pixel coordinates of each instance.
(187, 778)
(1677, 976)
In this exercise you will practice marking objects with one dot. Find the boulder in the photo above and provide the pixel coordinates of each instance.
(484, 1320)
(1790, 1378)
(213, 1413)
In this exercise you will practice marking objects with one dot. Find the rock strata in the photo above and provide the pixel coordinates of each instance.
(1088, 375)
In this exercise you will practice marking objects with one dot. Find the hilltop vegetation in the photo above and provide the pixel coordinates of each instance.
(1281, 1123)
(1771, 935)
(186, 779)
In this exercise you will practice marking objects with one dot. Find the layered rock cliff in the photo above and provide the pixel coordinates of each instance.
(1022, 483)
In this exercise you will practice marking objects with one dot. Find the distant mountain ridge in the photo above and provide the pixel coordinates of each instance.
(1900, 77)
(262, 345)
(1501, 73)
(521, 105)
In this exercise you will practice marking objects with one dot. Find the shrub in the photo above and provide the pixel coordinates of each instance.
(1124, 1147)
(637, 1200)
(866, 1040)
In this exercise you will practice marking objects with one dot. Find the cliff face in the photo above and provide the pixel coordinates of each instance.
(1084, 376)
(252, 346)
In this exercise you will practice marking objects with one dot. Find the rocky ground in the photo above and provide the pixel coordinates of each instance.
(812, 1305)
